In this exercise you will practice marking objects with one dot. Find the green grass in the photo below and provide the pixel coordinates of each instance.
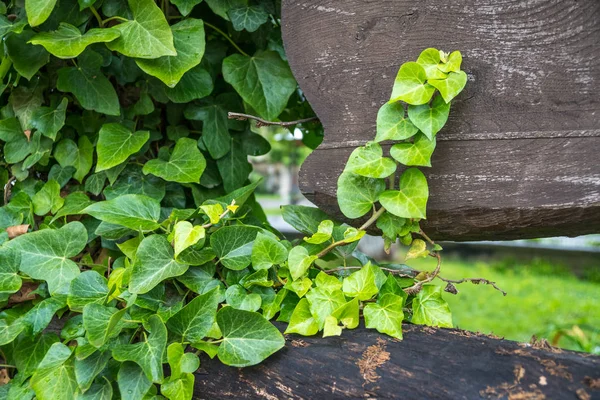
(537, 303)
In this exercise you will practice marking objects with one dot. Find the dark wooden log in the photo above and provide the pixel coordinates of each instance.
(428, 364)
(519, 157)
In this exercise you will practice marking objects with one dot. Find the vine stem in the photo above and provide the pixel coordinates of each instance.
(7, 366)
(115, 18)
(209, 224)
(262, 122)
(226, 36)
(98, 17)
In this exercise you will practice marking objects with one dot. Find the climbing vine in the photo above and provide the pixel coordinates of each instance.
(130, 235)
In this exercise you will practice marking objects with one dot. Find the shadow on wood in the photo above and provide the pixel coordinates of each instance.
(429, 363)
(519, 157)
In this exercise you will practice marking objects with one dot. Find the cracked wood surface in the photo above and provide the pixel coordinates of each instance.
(519, 157)
(428, 364)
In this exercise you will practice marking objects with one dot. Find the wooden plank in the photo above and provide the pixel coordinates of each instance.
(428, 364)
(519, 156)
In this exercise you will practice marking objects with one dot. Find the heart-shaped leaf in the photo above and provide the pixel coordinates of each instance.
(323, 233)
(361, 284)
(418, 249)
(417, 153)
(411, 200)
(267, 251)
(392, 124)
(185, 235)
(430, 119)
(68, 42)
(116, 143)
(452, 62)
(49, 120)
(451, 86)
(411, 85)
(233, 245)
(429, 308)
(357, 194)
(386, 315)
(193, 321)
(55, 373)
(186, 164)
(132, 211)
(247, 18)
(78, 155)
(299, 261)
(369, 161)
(429, 59)
(38, 11)
(302, 321)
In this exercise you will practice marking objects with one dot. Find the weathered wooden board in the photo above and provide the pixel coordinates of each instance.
(427, 364)
(520, 155)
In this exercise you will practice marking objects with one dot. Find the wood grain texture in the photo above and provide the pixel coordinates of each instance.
(519, 156)
(428, 364)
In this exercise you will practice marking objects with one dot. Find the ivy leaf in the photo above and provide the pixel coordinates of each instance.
(48, 199)
(264, 81)
(267, 251)
(386, 315)
(6, 26)
(68, 42)
(102, 323)
(430, 309)
(213, 113)
(430, 119)
(303, 218)
(361, 284)
(390, 225)
(154, 263)
(369, 161)
(132, 381)
(451, 86)
(193, 321)
(418, 249)
(323, 234)
(16, 146)
(237, 297)
(38, 11)
(233, 245)
(30, 351)
(222, 7)
(27, 59)
(88, 287)
(392, 124)
(74, 204)
(323, 302)
(38, 318)
(133, 211)
(331, 327)
(185, 6)
(185, 235)
(45, 254)
(186, 164)
(50, 120)
(417, 153)
(10, 281)
(248, 338)
(133, 181)
(195, 84)
(24, 102)
(213, 211)
(248, 18)
(452, 64)
(181, 388)
(234, 167)
(97, 391)
(90, 86)
(357, 194)
(352, 234)
(55, 375)
(188, 38)
(410, 85)
(327, 282)
(78, 155)
(302, 321)
(148, 353)
(429, 59)
(347, 314)
(411, 200)
(148, 35)
(116, 144)
(87, 369)
(299, 261)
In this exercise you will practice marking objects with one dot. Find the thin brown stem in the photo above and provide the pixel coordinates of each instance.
(390, 270)
(416, 288)
(262, 122)
(424, 235)
(475, 281)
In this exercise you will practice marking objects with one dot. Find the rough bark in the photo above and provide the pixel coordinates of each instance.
(428, 364)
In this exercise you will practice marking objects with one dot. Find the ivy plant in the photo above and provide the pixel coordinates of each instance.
(130, 237)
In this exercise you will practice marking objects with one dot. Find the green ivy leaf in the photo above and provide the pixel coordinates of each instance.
(102, 323)
(27, 59)
(417, 153)
(88, 287)
(451, 86)
(386, 315)
(392, 123)
(45, 254)
(300, 286)
(352, 234)
(259, 278)
(390, 225)
(148, 35)
(411, 200)
(195, 84)
(233, 245)
(188, 38)
(430, 119)
(429, 59)
(186, 164)
(369, 161)
(148, 353)
(222, 7)
(97, 391)
(248, 18)
(181, 388)
(302, 321)
(213, 113)
(47, 199)
(38, 11)
(68, 42)
(193, 321)
(186, 235)
(30, 351)
(87, 369)
(49, 120)
(38, 318)
(361, 284)
(237, 297)
(132, 381)
(6, 26)
(248, 338)
(357, 194)
(327, 282)
(234, 168)
(116, 144)
(331, 327)
(10, 281)
(348, 314)
(264, 81)
(452, 64)
(131, 210)
(16, 146)
(74, 204)
(299, 261)
(411, 85)
(304, 219)
(185, 6)
(430, 309)
(77, 155)
(323, 302)
(267, 251)
(154, 263)
(55, 375)
(418, 249)
(323, 234)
